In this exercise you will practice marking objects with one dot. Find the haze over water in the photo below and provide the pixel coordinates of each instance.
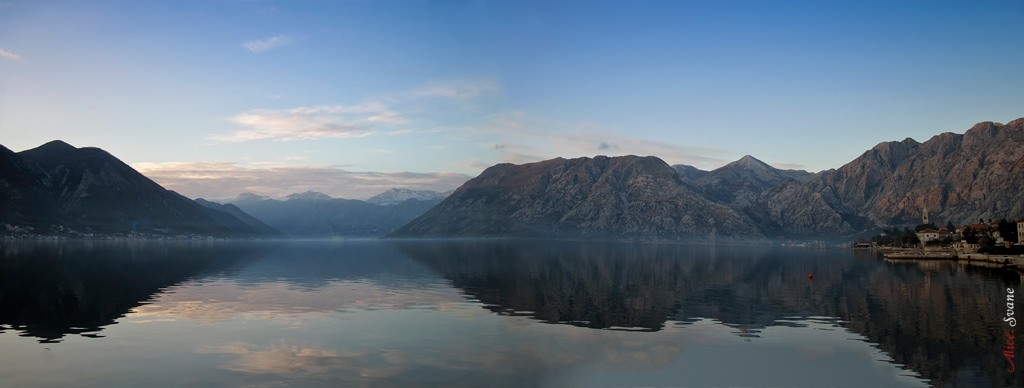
(492, 313)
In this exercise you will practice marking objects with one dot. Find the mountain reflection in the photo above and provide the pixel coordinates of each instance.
(396, 309)
(305, 277)
(943, 321)
(623, 285)
(49, 289)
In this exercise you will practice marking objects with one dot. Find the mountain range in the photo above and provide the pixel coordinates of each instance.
(956, 178)
(960, 178)
(313, 214)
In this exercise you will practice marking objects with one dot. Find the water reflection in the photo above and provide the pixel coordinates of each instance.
(49, 290)
(944, 323)
(477, 313)
(635, 286)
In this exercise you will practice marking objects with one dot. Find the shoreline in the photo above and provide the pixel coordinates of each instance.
(1013, 262)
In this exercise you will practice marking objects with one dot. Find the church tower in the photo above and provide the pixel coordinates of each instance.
(924, 215)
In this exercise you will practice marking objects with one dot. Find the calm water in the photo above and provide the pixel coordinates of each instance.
(495, 313)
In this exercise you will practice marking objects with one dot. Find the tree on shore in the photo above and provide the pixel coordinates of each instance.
(1008, 230)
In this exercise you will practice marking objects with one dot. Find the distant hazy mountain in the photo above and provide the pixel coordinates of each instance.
(313, 214)
(621, 197)
(307, 196)
(395, 196)
(239, 217)
(57, 187)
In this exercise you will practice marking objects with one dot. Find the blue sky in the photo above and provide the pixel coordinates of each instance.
(215, 98)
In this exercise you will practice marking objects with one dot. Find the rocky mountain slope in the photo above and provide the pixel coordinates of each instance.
(740, 183)
(57, 188)
(313, 214)
(958, 178)
(775, 200)
(620, 197)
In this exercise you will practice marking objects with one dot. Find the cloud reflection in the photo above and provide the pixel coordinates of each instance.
(282, 359)
(218, 301)
(548, 355)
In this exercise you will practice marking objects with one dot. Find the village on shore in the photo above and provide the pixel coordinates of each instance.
(991, 243)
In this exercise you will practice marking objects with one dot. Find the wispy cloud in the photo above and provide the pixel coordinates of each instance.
(263, 45)
(220, 180)
(464, 89)
(11, 56)
(383, 115)
(522, 138)
(313, 122)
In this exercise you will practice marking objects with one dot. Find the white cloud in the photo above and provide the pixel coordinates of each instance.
(11, 56)
(263, 45)
(522, 139)
(380, 116)
(464, 89)
(221, 180)
(312, 122)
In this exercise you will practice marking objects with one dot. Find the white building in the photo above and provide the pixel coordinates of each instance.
(1020, 231)
(928, 235)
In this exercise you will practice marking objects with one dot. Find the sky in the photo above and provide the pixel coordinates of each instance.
(350, 98)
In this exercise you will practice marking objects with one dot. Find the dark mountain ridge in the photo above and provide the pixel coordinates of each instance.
(58, 188)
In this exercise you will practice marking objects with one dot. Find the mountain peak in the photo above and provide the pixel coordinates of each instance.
(87, 190)
(56, 145)
(889, 146)
(750, 161)
(985, 129)
(399, 195)
(308, 196)
(49, 149)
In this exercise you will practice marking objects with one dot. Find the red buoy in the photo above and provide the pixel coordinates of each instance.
(810, 276)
